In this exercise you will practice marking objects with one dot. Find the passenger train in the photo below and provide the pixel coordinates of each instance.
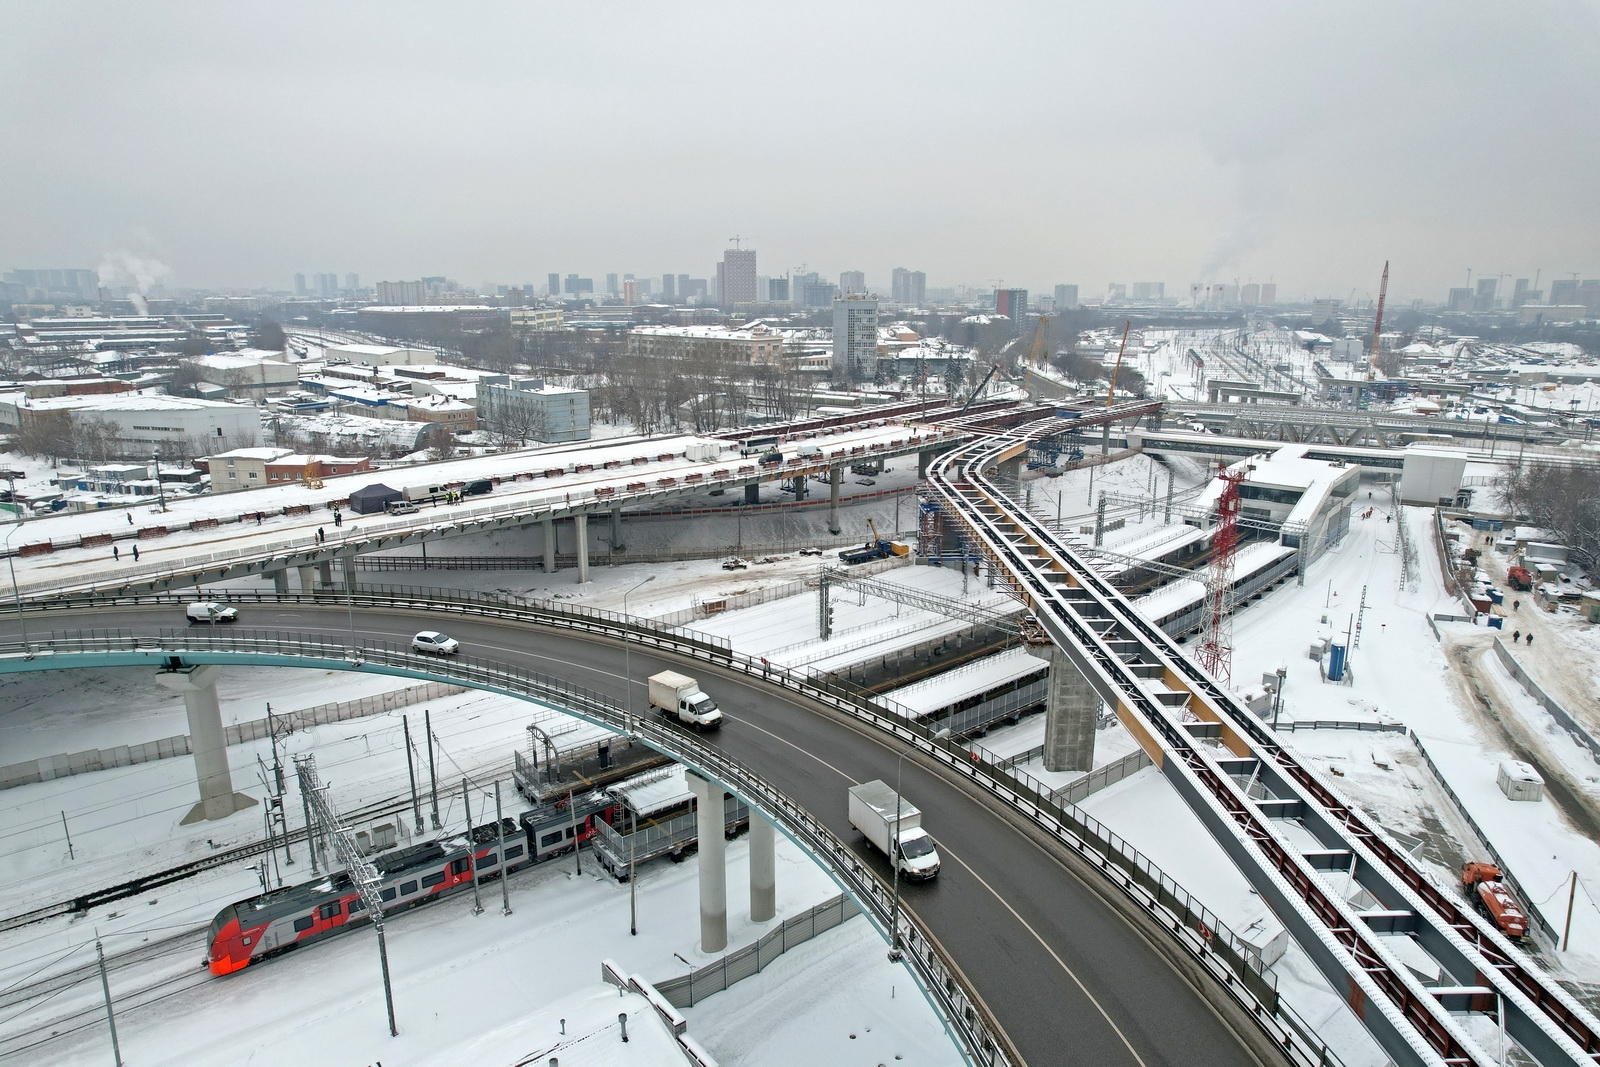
(263, 926)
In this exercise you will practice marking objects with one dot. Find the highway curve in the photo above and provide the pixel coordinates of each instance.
(1066, 976)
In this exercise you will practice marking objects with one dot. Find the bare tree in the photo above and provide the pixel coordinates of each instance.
(1564, 500)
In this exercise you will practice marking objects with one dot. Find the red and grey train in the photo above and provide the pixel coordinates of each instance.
(264, 926)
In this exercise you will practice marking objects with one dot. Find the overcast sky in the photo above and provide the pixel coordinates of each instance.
(236, 144)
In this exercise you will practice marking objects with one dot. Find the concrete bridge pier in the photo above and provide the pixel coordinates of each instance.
(713, 863)
(1011, 469)
(280, 580)
(616, 530)
(580, 525)
(763, 870)
(307, 577)
(1072, 712)
(835, 479)
(207, 743)
(923, 459)
(348, 563)
(799, 483)
(325, 574)
(752, 492)
(549, 545)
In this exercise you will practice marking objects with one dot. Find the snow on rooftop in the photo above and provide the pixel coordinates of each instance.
(948, 687)
(580, 1030)
(655, 790)
(126, 402)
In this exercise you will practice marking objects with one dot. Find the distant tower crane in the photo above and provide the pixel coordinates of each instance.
(1215, 653)
(1377, 327)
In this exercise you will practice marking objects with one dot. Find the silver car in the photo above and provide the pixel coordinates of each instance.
(435, 643)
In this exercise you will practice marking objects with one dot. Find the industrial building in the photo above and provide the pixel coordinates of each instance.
(550, 413)
(1309, 499)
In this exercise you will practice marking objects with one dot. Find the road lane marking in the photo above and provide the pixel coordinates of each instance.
(1063, 963)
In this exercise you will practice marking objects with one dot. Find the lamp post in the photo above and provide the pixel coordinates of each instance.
(627, 664)
(16, 593)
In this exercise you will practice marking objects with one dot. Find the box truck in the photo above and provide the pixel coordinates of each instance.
(677, 696)
(894, 826)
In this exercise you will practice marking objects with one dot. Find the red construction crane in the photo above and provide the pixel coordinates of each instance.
(1377, 327)
(1215, 653)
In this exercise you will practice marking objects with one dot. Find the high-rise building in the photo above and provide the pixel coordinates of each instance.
(1564, 291)
(402, 294)
(855, 338)
(1013, 303)
(852, 281)
(1484, 299)
(1149, 291)
(1589, 295)
(352, 282)
(299, 285)
(1459, 300)
(611, 284)
(690, 289)
(738, 277)
(799, 286)
(1066, 297)
(683, 287)
(669, 287)
(327, 285)
(1250, 294)
(818, 294)
(778, 289)
(909, 287)
(81, 284)
(1269, 293)
(554, 284)
(576, 286)
(630, 292)
(1519, 293)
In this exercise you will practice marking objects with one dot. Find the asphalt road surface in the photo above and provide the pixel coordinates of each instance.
(1069, 980)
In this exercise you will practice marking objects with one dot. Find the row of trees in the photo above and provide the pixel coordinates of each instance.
(1562, 499)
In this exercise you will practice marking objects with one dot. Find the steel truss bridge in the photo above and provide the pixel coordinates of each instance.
(1219, 757)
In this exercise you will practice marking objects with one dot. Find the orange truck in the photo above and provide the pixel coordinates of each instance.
(1520, 578)
(1482, 884)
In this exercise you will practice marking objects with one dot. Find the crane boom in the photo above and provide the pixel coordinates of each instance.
(1377, 327)
(992, 371)
(1038, 341)
(1111, 393)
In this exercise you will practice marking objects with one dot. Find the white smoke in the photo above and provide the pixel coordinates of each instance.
(136, 273)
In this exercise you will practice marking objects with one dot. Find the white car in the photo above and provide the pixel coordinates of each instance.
(436, 643)
(211, 611)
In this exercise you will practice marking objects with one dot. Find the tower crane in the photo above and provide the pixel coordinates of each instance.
(1037, 350)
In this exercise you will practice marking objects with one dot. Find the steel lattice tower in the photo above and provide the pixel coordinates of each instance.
(1215, 653)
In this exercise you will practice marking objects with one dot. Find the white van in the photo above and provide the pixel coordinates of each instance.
(210, 611)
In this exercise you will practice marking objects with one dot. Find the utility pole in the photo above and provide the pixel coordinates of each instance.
(500, 833)
(362, 873)
(411, 772)
(433, 779)
(105, 986)
(572, 814)
(161, 492)
(472, 851)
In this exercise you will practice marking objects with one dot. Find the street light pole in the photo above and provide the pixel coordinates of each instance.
(155, 465)
(1277, 696)
(894, 862)
(627, 664)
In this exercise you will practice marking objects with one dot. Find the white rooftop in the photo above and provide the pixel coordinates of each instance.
(655, 790)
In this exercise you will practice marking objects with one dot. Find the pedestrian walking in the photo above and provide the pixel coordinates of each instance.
(114, 553)
(1516, 605)
(1530, 640)
(136, 553)
(321, 537)
(129, 517)
(1516, 635)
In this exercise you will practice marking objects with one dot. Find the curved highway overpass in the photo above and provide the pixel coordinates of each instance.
(1064, 969)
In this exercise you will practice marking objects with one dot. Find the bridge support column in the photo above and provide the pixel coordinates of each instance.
(1011, 470)
(325, 574)
(280, 581)
(923, 459)
(763, 870)
(1072, 711)
(713, 863)
(580, 525)
(207, 743)
(835, 479)
(799, 483)
(616, 530)
(752, 493)
(307, 578)
(549, 546)
(349, 565)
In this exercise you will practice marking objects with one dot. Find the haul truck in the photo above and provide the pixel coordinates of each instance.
(894, 826)
(679, 696)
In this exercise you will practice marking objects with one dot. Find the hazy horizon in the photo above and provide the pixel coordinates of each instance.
(232, 146)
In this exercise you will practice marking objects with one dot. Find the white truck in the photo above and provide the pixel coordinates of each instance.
(894, 826)
(679, 696)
